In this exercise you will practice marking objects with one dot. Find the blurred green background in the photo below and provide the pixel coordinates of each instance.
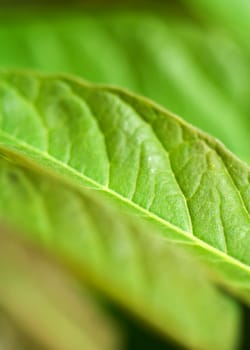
(192, 57)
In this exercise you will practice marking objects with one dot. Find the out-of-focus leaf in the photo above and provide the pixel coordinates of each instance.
(202, 75)
(231, 14)
(133, 266)
(46, 304)
(11, 338)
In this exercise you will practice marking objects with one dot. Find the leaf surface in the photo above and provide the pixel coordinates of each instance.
(139, 156)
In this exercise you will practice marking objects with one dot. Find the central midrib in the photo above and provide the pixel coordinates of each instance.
(97, 185)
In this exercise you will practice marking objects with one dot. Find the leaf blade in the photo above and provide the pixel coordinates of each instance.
(201, 173)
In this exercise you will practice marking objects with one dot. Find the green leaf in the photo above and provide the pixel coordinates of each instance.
(45, 304)
(171, 60)
(141, 157)
(129, 263)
